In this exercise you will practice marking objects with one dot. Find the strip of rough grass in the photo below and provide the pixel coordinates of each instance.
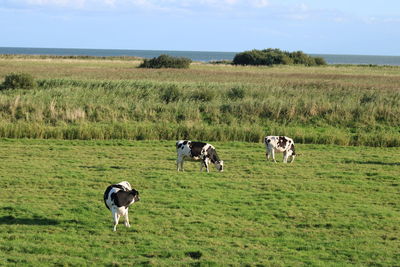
(334, 206)
(102, 99)
(385, 137)
(65, 57)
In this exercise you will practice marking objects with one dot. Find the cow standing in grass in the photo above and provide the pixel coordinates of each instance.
(118, 198)
(280, 144)
(203, 152)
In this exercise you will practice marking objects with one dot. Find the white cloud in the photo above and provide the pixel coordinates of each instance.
(110, 2)
(61, 3)
(148, 4)
(391, 20)
(303, 7)
(75, 4)
(339, 19)
(260, 3)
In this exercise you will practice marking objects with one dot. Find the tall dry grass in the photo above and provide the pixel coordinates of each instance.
(330, 105)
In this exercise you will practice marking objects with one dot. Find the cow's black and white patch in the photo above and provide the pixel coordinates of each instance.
(280, 144)
(201, 151)
(118, 198)
(196, 149)
(282, 141)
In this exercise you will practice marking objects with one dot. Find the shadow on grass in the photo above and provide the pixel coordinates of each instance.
(194, 254)
(373, 162)
(11, 220)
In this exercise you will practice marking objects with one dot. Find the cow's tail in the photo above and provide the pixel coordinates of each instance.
(106, 196)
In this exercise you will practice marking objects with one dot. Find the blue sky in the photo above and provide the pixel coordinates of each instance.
(326, 27)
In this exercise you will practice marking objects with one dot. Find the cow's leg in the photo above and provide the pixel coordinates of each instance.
(285, 156)
(293, 156)
(203, 163)
(207, 164)
(273, 154)
(127, 219)
(269, 153)
(116, 219)
(179, 164)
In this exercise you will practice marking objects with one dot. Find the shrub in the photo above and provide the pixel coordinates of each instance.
(253, 57)
(274, 57)
(319, 61)
(18, 80)
(271, 56)
(236, 93)
(166, 61)
(299, 57)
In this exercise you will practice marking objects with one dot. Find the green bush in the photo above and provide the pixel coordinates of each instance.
(18, 80)
(319, 61)
(271, 56)
(166, 61)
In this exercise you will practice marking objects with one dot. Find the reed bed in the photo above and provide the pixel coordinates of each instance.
(347, 105)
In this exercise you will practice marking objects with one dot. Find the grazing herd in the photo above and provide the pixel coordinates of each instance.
(118, 197)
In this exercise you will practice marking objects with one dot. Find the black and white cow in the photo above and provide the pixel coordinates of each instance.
(280, 144)
(204, 152)
(118, 197)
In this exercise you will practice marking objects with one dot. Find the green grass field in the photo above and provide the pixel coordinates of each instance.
(334, 206)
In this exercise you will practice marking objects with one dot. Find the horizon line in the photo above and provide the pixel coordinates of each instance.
(201, 51)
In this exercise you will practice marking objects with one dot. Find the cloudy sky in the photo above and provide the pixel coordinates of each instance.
(327, 27)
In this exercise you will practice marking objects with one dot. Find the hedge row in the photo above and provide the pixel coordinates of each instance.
(271, 56)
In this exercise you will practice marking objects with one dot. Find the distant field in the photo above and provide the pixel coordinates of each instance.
(92, 98)
(334, 206)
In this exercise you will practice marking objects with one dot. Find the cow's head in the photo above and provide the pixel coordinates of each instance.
(135, 194)
(220, 165)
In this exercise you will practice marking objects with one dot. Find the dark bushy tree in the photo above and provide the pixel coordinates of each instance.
(319, 61)
(166, 61)
(18, 80)
(271, 56)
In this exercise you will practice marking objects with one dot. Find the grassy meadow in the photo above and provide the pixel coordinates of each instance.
(78, 98)
(334, 206)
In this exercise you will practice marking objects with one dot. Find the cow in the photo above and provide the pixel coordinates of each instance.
(280, 144)
(118, 198)
(203, 152)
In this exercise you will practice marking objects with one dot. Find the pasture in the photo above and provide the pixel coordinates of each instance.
(334, 206)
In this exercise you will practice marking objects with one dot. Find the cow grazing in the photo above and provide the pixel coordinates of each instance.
(203, 152)
(280, 144)
(118, 197)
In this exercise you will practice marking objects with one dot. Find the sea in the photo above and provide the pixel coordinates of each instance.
(204, 56)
